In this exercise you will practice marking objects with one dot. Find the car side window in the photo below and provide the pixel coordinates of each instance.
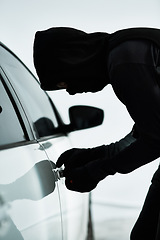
(10, 127)
(36, 101)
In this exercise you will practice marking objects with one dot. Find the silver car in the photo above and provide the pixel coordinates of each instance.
(34, 203)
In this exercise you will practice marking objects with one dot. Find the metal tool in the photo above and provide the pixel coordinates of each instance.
(58, 174)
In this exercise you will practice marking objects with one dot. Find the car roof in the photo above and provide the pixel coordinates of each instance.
(11, 52)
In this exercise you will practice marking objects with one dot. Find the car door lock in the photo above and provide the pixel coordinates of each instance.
(58, 174)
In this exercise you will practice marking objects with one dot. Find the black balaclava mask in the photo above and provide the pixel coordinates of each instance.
(69, 55)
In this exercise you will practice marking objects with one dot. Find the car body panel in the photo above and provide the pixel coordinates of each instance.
(22, 188)
(33, 203)
(74, 205)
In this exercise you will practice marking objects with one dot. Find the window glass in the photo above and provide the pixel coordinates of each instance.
(34, 98)
(10, 128)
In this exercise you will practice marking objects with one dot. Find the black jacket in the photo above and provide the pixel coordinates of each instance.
(79, 58)
(151, 34)
(88, 62)
(132, 67)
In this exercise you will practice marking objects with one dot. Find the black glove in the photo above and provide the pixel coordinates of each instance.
(77, 157)
(86, 178)
(84, 168)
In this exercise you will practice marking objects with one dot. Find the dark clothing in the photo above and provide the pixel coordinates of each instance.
(148, 224)
(133, 76)
(129, 60)
(72, 56)
(133, 71)
(80, 58)
(151, 34)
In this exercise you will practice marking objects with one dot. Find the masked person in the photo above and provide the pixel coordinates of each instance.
(128, 60)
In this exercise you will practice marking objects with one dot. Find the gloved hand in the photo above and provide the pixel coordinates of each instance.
(84, 168)
(77, 157)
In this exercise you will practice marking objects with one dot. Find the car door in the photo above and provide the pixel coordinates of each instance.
(29, 196)
(45, 126)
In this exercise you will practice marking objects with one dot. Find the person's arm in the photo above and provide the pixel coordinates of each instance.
(136, 85)
(84, 168)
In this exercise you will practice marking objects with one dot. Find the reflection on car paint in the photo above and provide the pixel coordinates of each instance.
(45, 173)
(42, 171)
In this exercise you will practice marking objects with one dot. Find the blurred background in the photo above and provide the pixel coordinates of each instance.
(117, 201)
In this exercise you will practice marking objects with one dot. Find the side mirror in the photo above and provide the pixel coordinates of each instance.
(83, 117)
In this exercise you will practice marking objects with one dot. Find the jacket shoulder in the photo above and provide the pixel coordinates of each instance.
(152, 34)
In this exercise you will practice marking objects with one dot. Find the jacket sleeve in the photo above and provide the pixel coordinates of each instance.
(136, 85)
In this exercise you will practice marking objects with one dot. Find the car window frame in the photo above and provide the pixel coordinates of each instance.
(22, 118)
(22, 108)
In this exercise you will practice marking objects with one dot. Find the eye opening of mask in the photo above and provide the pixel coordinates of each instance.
(62, 85)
